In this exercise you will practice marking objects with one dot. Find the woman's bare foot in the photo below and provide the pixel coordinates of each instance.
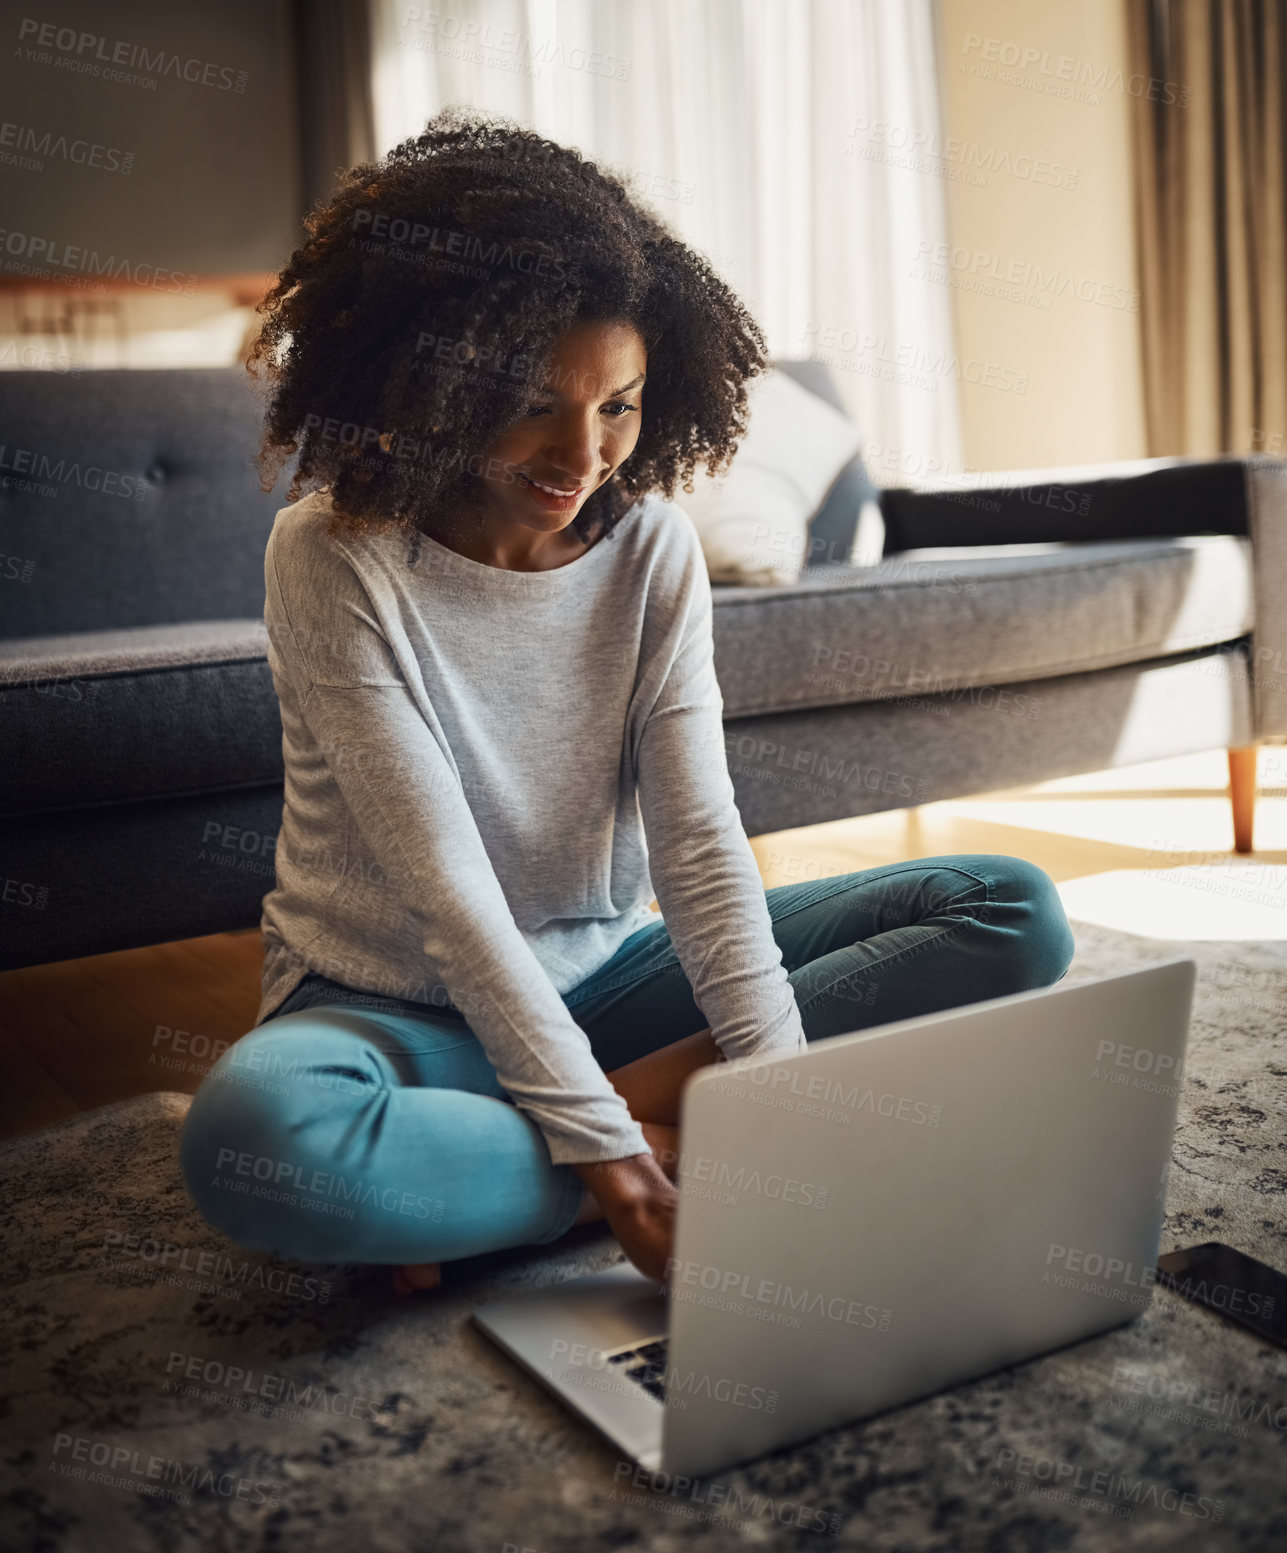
(416, 1275)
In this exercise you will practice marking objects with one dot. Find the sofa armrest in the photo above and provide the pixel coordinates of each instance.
(1146, 499)
(1151, 498)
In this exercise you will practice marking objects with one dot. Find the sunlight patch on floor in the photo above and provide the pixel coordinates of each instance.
(1143, 849)
(1243, 899)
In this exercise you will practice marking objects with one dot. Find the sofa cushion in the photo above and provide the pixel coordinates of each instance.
(849, 525)
(154, 711)
(754, 518)
(103, 717)
(928, 621)
(131, 498)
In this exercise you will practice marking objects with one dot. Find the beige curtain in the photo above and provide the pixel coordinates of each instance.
(1209, 125)
(735, 120)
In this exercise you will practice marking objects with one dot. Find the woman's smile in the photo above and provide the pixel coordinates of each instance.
(553, 498)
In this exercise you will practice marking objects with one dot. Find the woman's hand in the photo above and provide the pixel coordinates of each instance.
(639, 1203)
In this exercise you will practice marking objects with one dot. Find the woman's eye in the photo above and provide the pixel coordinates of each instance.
(625, 409)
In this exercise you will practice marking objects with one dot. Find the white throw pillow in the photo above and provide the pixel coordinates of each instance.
(754, 518)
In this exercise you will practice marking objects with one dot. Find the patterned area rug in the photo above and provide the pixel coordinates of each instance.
(164, 1391)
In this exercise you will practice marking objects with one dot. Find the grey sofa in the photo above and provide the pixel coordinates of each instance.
(1048, 625)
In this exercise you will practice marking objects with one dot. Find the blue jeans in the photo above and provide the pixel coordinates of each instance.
(350, 1127)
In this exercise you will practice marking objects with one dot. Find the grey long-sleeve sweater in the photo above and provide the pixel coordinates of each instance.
(489, 774)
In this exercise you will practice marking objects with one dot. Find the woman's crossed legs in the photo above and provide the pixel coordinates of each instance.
(335, 1132)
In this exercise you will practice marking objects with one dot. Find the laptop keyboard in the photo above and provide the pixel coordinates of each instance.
(645, 1365)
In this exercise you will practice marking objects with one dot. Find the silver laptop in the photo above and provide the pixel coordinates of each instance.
(880, 1217)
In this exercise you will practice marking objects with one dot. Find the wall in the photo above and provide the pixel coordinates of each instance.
(148, 153)
(1036, 158)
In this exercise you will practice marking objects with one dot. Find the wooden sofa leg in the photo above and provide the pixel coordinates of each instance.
(1242, 793)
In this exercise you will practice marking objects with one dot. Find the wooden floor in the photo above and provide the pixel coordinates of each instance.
(1126, 847)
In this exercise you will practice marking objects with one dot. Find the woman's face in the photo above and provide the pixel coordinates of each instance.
(579, 426)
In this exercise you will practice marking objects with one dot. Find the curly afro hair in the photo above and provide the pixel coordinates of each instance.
(478, 244)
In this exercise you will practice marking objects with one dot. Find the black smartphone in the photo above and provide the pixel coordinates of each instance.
(1232, 1283)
